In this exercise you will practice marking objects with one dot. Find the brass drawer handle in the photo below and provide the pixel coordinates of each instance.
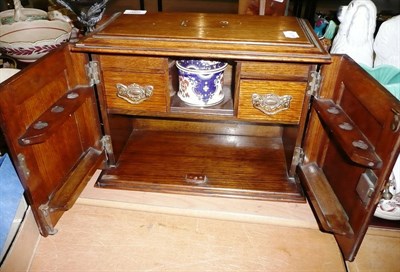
(271, 103)
(134, 93)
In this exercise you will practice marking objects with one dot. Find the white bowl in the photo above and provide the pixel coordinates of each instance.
(29, 40)
(6, 73)
(7, 16)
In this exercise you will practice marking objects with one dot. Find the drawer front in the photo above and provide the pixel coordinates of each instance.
(276, 71)
(272, 101)
(135, 85)
(118, 100)
(133, 63)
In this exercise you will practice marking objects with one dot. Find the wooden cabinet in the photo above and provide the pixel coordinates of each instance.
(295, 122)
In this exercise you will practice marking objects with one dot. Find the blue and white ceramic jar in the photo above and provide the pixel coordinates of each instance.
(201, 82)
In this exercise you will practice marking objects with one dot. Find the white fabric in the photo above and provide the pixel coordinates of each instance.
(387, 43)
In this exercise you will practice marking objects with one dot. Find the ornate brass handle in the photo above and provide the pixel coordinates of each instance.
(271, 103)
(134, 93)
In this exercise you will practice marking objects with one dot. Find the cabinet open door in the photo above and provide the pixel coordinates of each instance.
(51, 124)
(351, 144)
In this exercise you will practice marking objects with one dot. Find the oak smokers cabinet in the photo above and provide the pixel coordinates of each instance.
(320, 127)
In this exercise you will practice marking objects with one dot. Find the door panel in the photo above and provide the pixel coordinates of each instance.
(351, 144)
(50, 121)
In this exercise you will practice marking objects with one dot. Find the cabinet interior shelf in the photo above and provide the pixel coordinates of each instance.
(224, 108)
(239, 166)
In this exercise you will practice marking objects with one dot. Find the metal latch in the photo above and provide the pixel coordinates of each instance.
(92, 72)
(314, 82)
(366, 186)
(196, 178)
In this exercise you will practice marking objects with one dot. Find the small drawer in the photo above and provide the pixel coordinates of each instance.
(274, 70)
(143, 100)
(271, 101)
(135, 85)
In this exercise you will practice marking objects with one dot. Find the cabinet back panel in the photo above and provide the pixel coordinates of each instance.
(226, 128)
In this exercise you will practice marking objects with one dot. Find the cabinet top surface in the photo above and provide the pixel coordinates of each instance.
(203, 26)
(231, 35)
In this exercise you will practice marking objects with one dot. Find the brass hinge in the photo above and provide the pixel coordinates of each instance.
(92, 72)
(314, 82)
(22, 165)
(298, 156)
(107, 146)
